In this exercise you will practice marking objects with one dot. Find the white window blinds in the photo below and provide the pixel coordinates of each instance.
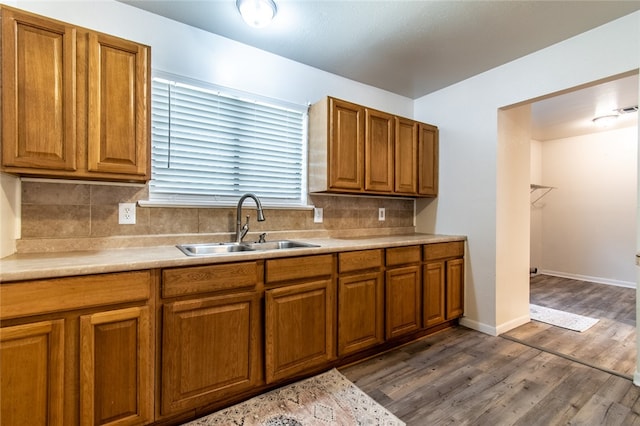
(210, 147)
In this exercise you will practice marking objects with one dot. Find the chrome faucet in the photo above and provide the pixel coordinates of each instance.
(241, 230)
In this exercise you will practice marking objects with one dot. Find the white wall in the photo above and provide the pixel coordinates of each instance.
(589, 222)
(466, 114)
(191, 52)
(535, 256)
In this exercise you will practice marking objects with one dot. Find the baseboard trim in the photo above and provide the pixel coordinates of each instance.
(598, 280)
(478, 326)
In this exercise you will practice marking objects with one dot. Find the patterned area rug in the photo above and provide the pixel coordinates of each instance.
(561, 319)
(324, 400)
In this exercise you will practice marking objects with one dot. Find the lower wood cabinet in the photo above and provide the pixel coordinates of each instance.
(360, 300)
(299, 316)
(210, 349)
(32, 373)
(443, 291)
(403, 288)
(86, 350)
(77, 351)
(116, 367)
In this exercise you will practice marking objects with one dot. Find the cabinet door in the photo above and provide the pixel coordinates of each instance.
(433, 294)
(32, 374)
(38, 92)
(360, 312)
(406, 153)
(210, 349)
(118, 133)
(403, 313)
(428, 160)
(346, 145)
(378, 167)
(455, 288)
(116, 367)
(299, 328)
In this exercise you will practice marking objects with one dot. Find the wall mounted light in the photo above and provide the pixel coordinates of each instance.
(257, 13)
(605, 120)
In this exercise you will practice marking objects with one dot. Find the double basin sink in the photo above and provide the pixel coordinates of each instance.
(209, 249)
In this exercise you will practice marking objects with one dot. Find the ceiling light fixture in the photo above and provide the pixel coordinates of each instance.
(605, 120)
(257, 13)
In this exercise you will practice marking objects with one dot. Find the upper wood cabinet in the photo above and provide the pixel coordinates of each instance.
(359, 150)
(75, 102)
(428, 160)
(378, 151)
(406, 156)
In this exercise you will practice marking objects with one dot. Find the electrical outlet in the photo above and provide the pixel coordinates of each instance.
(381, 214)
(127, 213)
(317, 215)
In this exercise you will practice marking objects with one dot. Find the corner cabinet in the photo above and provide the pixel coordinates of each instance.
(80, 353)
(354, 149)
(75, 102)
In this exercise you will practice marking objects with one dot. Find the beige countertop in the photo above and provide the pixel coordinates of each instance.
(30, 266)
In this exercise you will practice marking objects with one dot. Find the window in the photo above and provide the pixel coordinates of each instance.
(211, 147)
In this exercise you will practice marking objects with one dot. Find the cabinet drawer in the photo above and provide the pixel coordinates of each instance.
(359, 260)
(295, 268)
(403, 255)
(443, 250)
(63, 294)
(204, 279)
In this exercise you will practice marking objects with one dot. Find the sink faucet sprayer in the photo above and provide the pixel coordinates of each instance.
(241, 230)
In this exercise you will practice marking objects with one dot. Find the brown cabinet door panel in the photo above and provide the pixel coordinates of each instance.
(434, 294)
(38, 92)
(403, 301)
(299, 328)
(455, 288)
(118, 106)
(211, 349)
(406, 156)
(116, 367)
(346, 145)
(378, 151)
(360, 312)
(428, 160)
(32, 374)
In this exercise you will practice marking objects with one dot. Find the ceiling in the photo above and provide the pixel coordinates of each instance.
(415, 47)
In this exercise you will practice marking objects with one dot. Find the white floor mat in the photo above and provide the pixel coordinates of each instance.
(560, 318)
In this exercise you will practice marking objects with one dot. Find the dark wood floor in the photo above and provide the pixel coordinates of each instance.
(463, 377)
(610, 344)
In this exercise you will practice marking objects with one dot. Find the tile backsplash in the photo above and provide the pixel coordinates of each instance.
(61, 216)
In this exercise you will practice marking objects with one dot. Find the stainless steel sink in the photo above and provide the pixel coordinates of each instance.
(277, 245)
(213, 248)
(209, 249)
